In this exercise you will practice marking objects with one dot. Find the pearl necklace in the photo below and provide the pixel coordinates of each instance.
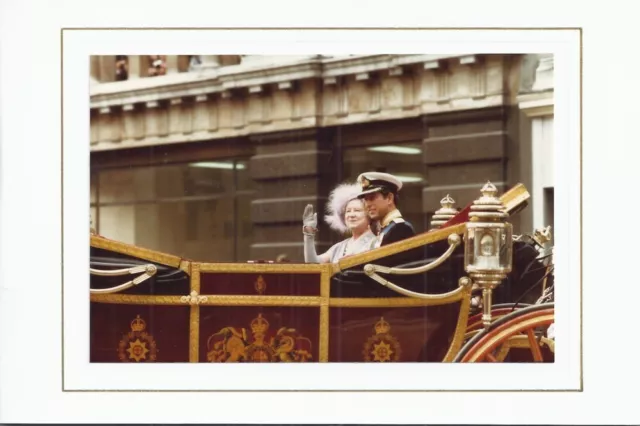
(346, 245)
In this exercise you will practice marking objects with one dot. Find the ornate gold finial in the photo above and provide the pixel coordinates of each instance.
(260, 285)
(447, 202)
(445, 213)
(489, 206)
(382, 327)
(138, 324)
(259, 325)
(489, 189)
(542, 235)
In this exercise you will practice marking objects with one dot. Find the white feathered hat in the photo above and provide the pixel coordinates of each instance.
(337, 204)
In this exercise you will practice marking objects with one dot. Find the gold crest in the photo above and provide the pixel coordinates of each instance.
(137, 345)
(382, 347)
(365, 183)
(231, 345)
(260, 285)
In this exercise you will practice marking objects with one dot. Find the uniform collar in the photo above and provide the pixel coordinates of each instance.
(393, 214)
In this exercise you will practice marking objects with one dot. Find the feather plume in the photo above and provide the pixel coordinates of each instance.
(337, 204)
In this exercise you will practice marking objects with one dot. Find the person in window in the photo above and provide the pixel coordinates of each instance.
(122, 67)
(157, 65)
(345, 214)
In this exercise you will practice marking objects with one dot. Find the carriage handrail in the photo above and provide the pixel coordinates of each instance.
(372, 271)
(454, 241)
(147, 272)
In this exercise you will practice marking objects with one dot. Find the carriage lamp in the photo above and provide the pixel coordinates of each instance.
(488, 245)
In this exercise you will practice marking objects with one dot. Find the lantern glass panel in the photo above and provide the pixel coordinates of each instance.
(469, 258)
(488, 248)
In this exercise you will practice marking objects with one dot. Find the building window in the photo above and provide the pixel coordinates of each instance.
(198, 210)
(403, 160)
(122, 67)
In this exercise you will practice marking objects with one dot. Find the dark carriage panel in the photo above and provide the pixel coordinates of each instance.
(250, 334)
(416, 334)
(136, 333)
(167, 280)
(271, 284)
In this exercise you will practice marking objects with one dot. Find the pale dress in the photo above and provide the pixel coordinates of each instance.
(340, 250)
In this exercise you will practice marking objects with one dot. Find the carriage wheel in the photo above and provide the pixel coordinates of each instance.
(497, 311)
(524, 328)
(475, 325)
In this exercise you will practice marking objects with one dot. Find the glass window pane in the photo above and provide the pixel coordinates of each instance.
(93, 218)
(209, 230)
(153, 183)
(198, 230)
(244, 176)
(195, 179)
(116, 186)
(244, 230)
(166, 181)
(93, 198)
(155, 214)
(117, 223)
(402, 160)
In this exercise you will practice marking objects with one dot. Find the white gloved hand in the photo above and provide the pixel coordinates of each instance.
(309, 221)
(309, 224)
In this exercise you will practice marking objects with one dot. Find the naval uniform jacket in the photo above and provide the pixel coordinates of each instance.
(394, 229)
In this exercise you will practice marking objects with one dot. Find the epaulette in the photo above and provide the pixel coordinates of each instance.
(398, 220)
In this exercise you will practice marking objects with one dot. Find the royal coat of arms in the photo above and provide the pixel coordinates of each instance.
(137, 345)
(231, 345)
(382, 347)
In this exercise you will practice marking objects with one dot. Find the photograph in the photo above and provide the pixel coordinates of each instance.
(345, 208)
(338, 216)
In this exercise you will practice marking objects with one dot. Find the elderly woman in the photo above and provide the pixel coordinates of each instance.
(345, 214)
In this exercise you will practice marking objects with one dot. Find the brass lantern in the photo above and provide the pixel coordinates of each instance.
(488, 245)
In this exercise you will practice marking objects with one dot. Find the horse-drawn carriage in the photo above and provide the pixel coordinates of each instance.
(475, 293)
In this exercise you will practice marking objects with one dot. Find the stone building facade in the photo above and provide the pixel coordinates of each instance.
(215, 157)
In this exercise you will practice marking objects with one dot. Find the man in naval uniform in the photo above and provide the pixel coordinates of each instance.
(380, 194)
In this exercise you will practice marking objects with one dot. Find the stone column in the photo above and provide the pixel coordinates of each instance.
(210, 61)
(172, 64)
(134, 66)
(94, 68)
(107, 68)
(291, 169)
